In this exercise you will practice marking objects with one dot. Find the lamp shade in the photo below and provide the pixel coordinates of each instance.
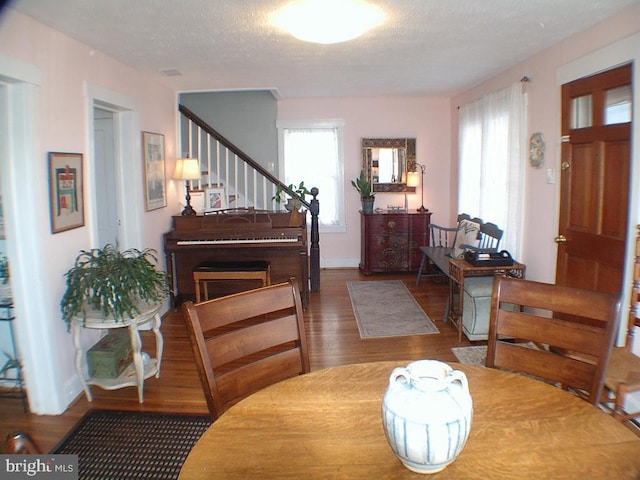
(187, 169)
(413, 179)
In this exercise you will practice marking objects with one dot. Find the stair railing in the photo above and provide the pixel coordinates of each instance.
(247, 182)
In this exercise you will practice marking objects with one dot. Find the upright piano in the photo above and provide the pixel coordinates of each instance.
(237, 234)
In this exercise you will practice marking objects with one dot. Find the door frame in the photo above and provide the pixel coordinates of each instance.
(616, 54)
(127, 152)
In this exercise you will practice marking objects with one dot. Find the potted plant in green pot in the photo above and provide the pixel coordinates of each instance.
(363, 186)
(292, 204)
(112, 284)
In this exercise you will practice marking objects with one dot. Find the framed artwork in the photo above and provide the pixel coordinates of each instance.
(154, 170)
(197, 200)
(214, 199)
(66, 196)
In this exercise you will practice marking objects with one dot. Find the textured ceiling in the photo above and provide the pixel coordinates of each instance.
(425, 47)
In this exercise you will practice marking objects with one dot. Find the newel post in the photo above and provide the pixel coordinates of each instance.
(314, 251)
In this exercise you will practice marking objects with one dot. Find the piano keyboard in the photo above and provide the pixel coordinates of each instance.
(233, 241)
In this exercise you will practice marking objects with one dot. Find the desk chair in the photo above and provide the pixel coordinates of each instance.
(247, 341)
(623, 371)
(557, 319)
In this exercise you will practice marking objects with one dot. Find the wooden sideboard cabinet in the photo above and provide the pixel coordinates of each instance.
(390, 241)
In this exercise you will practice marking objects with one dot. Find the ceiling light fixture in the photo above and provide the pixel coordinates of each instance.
(327, 21)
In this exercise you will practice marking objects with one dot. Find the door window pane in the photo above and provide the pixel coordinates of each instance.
(617, 107)
(582, 112)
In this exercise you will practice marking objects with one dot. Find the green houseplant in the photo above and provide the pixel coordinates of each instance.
(112, 282)
(364, 188)
(293, 204)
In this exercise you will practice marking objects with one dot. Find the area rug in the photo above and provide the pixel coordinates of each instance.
(475, 355)
(127, 445)
(387, 309)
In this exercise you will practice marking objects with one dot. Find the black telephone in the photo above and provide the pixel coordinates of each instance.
(489, 259)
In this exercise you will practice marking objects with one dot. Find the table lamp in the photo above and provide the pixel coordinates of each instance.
(187, 169)
(412, 181)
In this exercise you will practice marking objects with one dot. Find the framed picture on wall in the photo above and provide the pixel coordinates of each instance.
(154, 170)
(66, 196)
(214, 199)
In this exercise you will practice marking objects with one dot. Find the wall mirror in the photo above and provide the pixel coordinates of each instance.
(386, 162)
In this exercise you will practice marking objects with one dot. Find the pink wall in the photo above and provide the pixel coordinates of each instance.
(426, 119)
(542, 199)
(64, 68)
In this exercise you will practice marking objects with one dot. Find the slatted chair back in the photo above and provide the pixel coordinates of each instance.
(490, 236)
(247, 341)
(445, 236)
(572, 351)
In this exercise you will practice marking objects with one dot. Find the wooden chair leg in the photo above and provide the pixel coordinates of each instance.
(424, 258)
(197, 288)
(20, 443)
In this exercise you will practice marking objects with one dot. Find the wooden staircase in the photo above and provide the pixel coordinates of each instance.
(247, 183)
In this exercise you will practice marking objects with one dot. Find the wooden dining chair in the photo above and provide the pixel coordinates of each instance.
(20, 443)
(623, 372)
(572, 329)
(247, 341)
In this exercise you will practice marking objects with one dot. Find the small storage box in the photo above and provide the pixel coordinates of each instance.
(110, 356)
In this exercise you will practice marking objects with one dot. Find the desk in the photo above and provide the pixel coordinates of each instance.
(327, 424)
(138, 371)
(459, 268)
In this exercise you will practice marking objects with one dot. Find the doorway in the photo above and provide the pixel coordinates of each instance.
(595, 180)
(105, 174)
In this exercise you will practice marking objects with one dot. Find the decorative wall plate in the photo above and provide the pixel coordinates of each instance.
(536, 150)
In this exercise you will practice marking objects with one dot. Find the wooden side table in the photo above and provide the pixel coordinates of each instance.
(459, 268)
(133, 375)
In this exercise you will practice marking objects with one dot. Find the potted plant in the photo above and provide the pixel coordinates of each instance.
(363, 186)
(293, 203)
(112, 282)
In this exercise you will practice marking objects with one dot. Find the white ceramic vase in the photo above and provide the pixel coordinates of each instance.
(426, 414)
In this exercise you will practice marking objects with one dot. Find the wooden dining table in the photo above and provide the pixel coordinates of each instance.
(327, 424)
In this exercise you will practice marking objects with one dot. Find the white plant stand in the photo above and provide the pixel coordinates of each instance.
(136, 373)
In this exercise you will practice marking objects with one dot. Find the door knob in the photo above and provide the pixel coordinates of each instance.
(560, 239)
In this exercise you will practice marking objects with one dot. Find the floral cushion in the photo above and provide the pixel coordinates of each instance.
(468, 232)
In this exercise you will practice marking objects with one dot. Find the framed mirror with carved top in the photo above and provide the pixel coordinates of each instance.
(386, 162)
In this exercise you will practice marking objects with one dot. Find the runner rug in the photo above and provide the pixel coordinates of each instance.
(126, 445)
(386, 308)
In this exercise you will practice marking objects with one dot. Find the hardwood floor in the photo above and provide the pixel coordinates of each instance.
(333, 339)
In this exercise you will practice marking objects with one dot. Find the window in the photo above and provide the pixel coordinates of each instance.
(617, 105)
(313, 152)
(491, 181)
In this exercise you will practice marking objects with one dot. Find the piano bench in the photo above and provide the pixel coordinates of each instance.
(206, 272)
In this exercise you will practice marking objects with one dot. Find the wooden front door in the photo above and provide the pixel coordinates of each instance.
(595, 176)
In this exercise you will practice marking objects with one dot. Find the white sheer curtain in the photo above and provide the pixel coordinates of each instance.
(491, 181)
(313, 155)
